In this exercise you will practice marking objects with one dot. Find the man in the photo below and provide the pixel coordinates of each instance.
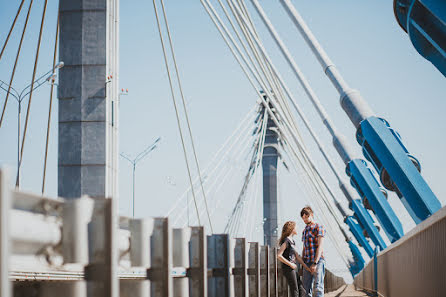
(313, 254)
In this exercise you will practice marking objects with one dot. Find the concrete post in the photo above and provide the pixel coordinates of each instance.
(269, 165)
(101, 272)
(273, 272)
(88, 89)
(197, 263)
(220, 282)
(264, 271)
(240, 268)
(5, 242)
(140, 232)
(180, 250)
(254, 269)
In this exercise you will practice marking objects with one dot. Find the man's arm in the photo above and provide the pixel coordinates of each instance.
(320, 248)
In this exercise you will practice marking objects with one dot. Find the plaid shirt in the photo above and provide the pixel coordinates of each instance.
(309, 238)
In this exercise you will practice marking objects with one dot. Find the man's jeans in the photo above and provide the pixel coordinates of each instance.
(317, 279)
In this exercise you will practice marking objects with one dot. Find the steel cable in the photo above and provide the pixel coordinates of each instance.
(50, 105)
(12, 27)
(176, 109)
(185, 111)
(232, 50)
(237, 153)
(31, 91)
(235, 136)
(16, 60)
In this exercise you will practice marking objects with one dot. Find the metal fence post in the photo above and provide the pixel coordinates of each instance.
(240, 271)
(273, 272)
(264, 271)
(219, 263)
(254, 269)
(101, 272)
(197, 263)
(140, 232)
(76, 215)
(161, 259)
(180, 258)
(5, 209)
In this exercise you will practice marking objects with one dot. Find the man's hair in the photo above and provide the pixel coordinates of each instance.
(306, 211)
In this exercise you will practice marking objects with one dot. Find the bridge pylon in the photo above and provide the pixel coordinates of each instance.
(269, 166)
(88, 94)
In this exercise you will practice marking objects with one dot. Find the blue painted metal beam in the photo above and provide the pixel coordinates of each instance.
(373, 197)
(359, 263)
(366, 222)
(356, 230)
(397, 169)
(425, 23)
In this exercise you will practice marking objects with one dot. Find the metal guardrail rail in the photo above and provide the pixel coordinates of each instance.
(78, 247)
(412, 266)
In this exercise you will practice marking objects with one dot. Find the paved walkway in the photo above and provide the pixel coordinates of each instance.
(346, 291)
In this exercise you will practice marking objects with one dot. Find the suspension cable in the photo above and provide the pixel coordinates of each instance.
(251, 170)
(223, 175)
(50, 105)
(185, 112)
(234, 136)
(31, 91)
(224, 37)
(12, 27)
(265, 55)
(259, 157)
(237, 154)
(15, 62)
(176, 109)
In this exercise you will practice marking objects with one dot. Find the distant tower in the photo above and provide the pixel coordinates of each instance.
(269, 165)
(88, 92)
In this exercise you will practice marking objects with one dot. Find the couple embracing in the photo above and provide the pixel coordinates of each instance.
(312, 258)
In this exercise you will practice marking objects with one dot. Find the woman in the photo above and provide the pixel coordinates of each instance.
(288, 256)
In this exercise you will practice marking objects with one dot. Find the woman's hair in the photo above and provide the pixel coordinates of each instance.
(287, 229)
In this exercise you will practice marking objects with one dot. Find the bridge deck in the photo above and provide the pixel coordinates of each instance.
(346, 291)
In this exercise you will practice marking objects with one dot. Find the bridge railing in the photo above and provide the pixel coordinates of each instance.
(412, 266)
(78, 247)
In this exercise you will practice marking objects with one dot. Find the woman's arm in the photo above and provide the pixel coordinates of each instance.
(301, 261)
(282, 258)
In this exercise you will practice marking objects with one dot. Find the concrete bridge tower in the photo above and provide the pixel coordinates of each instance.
(88, 95)
(269, 165)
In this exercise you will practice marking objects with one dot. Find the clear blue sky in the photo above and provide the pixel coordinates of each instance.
(362, 38)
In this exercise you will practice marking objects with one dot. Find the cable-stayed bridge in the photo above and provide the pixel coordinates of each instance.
(78, 245)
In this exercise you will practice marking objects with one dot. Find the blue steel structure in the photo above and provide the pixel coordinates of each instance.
(381, 145)
(356, 230)
(374, 198)
(363, 218)
(425, 23)
(359, 263)
(374, 195)
(398, 170)
(366, 222)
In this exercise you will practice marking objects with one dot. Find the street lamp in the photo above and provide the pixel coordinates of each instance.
(135, 161)
(19, 97)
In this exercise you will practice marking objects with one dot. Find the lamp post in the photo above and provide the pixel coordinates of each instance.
(19, 97)
(134, 162)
